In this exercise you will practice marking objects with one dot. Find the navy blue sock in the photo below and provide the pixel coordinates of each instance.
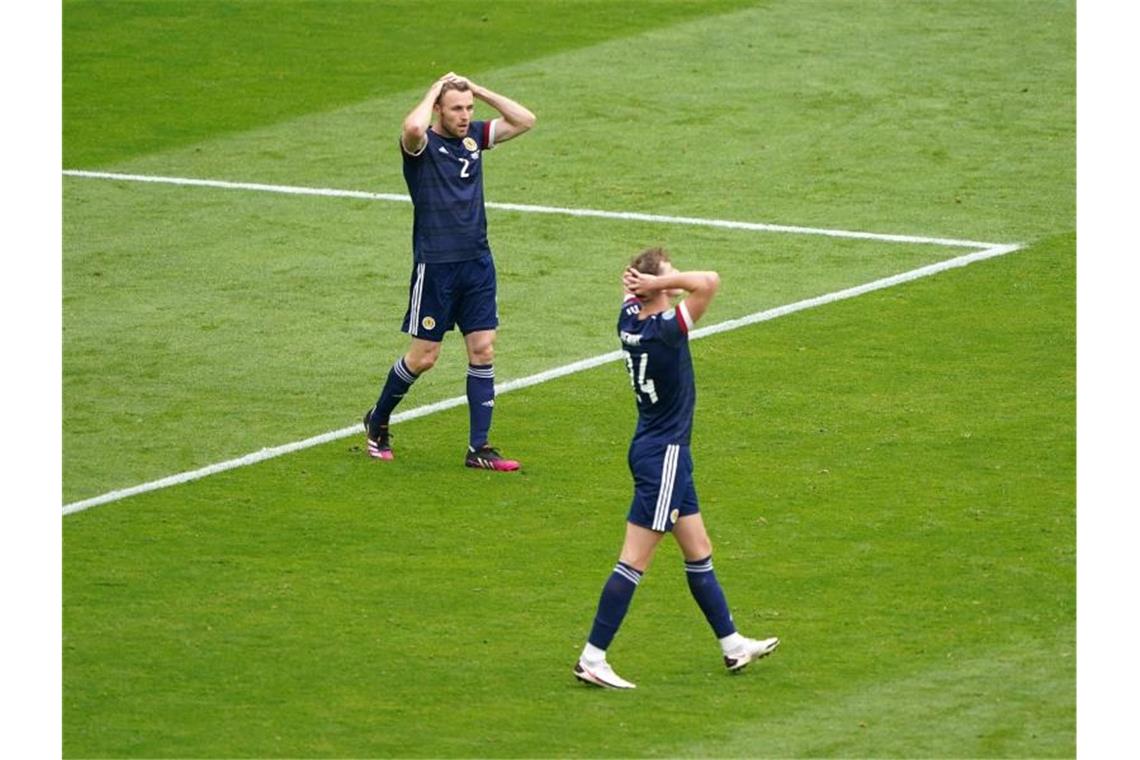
(709, 595)
(616, 596)
(400, 379)
(480, 401)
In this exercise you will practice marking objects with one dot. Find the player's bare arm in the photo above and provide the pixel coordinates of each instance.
(700, 286)
(516, 118)
(416, 123)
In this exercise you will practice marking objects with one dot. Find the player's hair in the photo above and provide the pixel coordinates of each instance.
(448, 86)
(649, 261)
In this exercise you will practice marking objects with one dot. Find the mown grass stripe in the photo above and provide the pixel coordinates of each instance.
(539, 377)
(634, 216)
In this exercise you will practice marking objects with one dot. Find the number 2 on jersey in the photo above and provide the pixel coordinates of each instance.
(466, 165)
(641, 386)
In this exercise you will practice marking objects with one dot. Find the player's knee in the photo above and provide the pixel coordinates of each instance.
(424, 365)
(694, 546)
(639, 561)
(699, 549)
(420, 362)
(483, 353)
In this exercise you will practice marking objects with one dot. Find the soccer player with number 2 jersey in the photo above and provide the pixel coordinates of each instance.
(453, 279)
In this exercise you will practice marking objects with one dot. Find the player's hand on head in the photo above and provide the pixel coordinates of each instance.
(629, 279)
(638, 283)
(450, 76)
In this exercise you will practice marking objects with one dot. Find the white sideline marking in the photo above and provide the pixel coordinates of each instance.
(551, 374)
(631, 216)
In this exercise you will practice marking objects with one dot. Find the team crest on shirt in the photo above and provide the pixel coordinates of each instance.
(674, 515)
(470, 144)
(428, 323)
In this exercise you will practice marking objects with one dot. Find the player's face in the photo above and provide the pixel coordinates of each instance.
(455, 109)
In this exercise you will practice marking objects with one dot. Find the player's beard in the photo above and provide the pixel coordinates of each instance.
(454, 130)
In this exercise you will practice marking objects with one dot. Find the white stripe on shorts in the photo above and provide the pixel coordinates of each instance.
(668, 474)
(417, 296)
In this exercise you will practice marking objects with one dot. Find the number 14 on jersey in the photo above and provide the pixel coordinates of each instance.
(642, 387)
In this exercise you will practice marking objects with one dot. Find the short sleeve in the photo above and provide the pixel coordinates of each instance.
(673, 325)
(412, 156)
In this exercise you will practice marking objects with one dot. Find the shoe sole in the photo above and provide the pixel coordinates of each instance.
(496, 468)
(740, 665)
(589, 678)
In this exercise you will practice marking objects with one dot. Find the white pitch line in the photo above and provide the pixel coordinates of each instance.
(629, 216)
(226, 185)
(542, 377)
(858, 290)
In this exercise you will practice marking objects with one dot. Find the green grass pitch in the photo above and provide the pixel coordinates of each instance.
(889, 481)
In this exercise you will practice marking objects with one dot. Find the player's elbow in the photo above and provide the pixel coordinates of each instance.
(712, 282)
(525, 121)
(414, 132)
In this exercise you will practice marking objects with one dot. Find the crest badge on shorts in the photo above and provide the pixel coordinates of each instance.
(428, 323)
(674, 515)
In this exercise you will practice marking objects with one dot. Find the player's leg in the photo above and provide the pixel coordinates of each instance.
(651, 466)
(478, 318)
(420, 357)
(696, 547)
(617, 593)
(480, 385)
(426, 320)
(481, 404)
(689, 531)
(706, 590)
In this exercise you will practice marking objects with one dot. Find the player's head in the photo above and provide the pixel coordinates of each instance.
(651, 260)
(455, 106)
(654, 261)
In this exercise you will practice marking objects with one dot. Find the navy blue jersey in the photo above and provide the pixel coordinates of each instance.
(661, 371)
(445, 180)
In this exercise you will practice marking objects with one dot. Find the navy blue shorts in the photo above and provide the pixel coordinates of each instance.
(442, 296)
(663, 488)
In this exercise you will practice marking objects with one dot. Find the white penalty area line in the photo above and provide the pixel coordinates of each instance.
(542, 377)
(629, 216)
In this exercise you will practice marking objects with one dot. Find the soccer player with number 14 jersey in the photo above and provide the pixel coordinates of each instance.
(655, 339)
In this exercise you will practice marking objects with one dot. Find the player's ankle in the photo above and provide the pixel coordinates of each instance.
(731, 642)
(591, 655)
